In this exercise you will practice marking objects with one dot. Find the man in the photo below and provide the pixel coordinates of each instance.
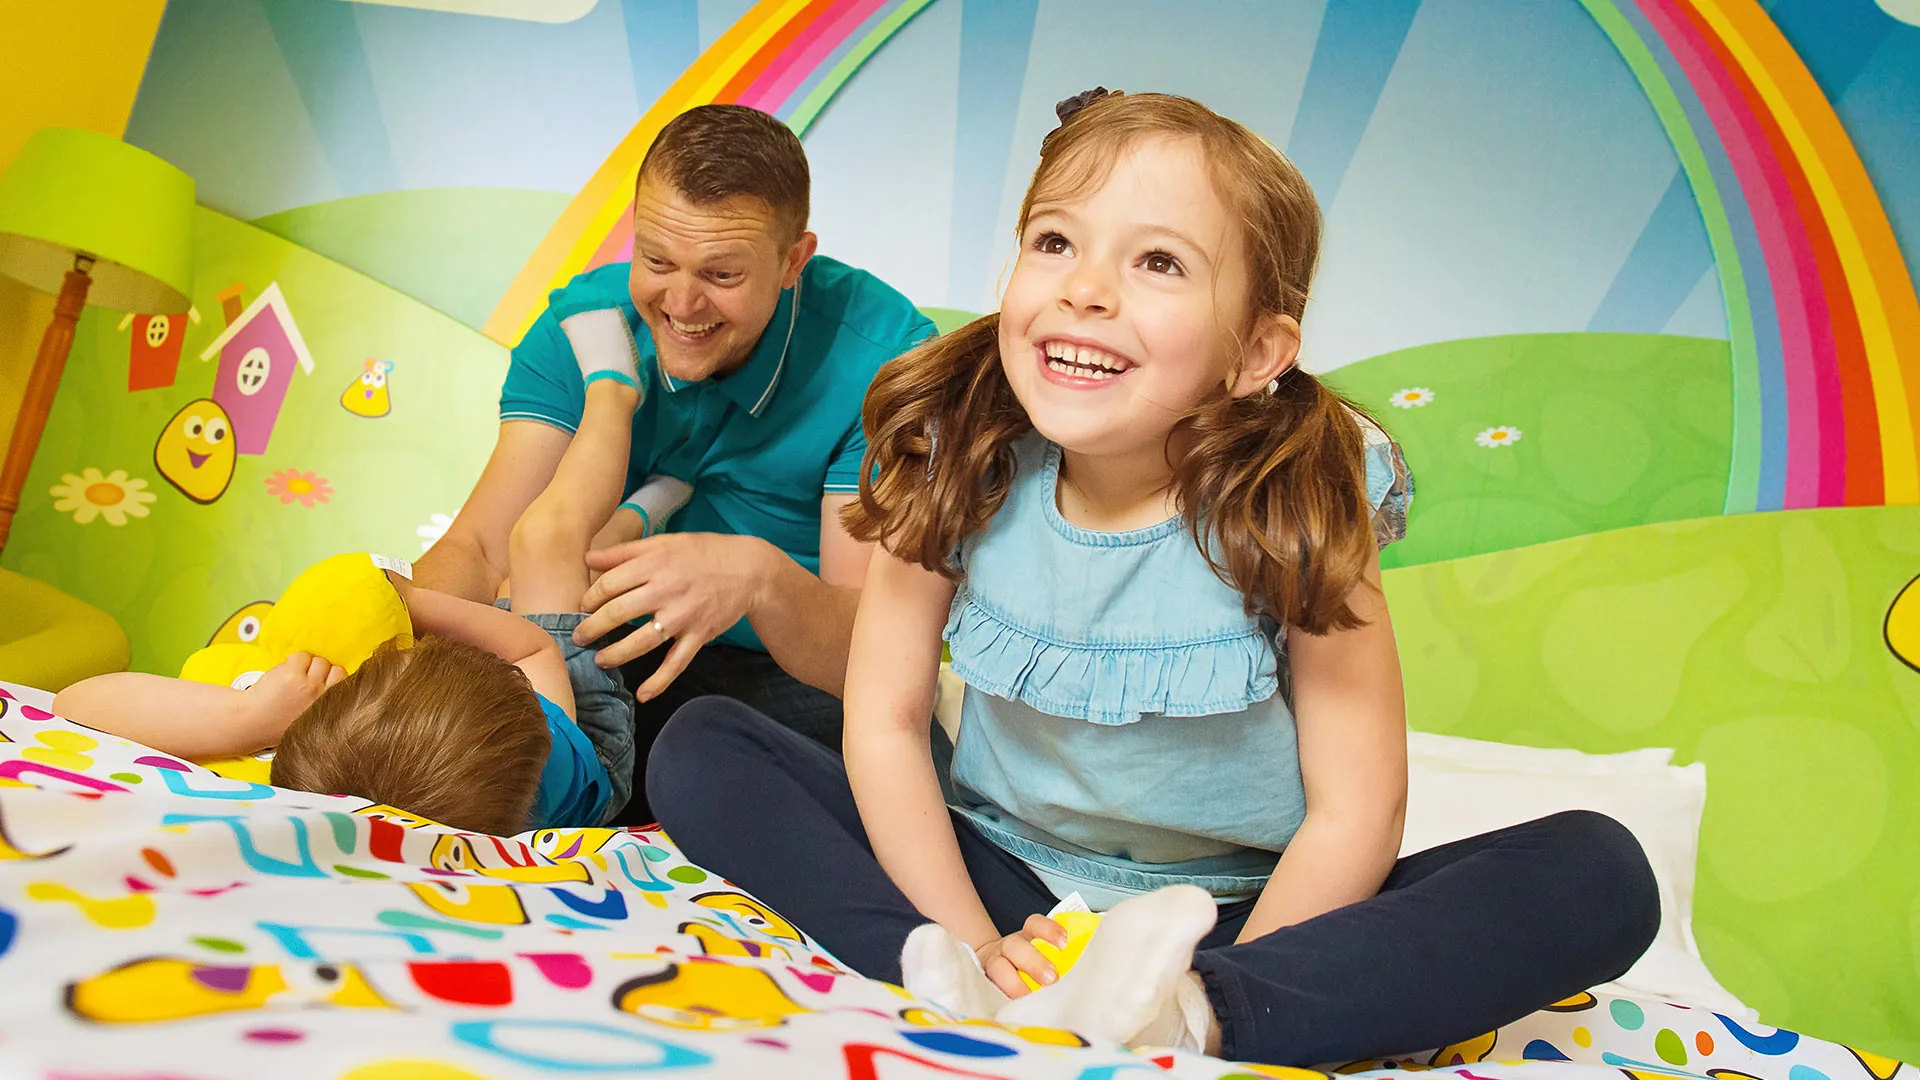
(753, 357)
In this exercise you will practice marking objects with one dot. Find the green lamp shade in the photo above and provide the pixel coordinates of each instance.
(73, 192)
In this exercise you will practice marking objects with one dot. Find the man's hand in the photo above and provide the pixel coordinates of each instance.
(285, 691)
(1004, 958)
(694, 585)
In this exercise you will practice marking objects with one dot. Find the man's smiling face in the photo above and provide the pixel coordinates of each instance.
(707, 278)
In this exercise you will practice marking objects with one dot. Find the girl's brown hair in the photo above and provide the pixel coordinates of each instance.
(1273, 485)
(443, 730)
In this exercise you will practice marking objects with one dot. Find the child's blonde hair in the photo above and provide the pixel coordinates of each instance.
(443, 730)
(1273, 485)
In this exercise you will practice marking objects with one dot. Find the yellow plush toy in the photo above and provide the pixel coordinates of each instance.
(341, 608)
(1079, 926)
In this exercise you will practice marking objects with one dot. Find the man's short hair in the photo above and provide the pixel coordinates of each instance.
(713, 153)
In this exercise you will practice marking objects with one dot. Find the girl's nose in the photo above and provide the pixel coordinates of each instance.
(1089, 288)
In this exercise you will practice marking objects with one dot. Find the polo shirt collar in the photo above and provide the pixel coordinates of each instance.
(752, 386)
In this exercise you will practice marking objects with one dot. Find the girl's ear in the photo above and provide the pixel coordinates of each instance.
(1272, 348)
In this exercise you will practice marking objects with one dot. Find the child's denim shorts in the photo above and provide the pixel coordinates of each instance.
(601, 705)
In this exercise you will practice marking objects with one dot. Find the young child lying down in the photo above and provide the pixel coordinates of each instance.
(494, 721)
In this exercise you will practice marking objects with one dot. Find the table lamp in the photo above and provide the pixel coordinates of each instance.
(88, 217)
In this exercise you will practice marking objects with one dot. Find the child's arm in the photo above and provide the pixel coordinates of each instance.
(892, 667)
(198, 721)
(502, 633)
(1351, 716)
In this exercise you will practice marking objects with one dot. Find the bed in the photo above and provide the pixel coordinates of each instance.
(160, 921)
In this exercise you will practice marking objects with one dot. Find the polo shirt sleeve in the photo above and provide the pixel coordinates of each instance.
(843, 472)
(543, 380)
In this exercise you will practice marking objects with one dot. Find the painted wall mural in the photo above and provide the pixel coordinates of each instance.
(1632, 282)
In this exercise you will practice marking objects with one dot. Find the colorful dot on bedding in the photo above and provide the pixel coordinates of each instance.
(1703, 1042)
(218, 944)
(1582, 1038)
(159, 862)
(359, 872)
(126, 777)
(63, 750)
(1626, 1014)
(687, 875)
(1542, 1050)
(1805, 1072)
(274, 1035)
(950, 1042)
(1667, 1044)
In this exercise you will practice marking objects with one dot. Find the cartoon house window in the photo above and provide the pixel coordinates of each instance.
(258, 353)
(153, 355)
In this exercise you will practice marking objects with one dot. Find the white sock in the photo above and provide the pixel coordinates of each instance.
(657, 500)
(603, 346)
(1183, 1021)
(1132, 972)
(941, 968)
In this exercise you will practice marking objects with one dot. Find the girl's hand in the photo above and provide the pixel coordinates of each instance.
(1004, 958)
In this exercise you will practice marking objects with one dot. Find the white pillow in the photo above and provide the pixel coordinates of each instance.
(1458, 788)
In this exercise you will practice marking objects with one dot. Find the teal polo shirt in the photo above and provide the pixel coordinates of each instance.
(762, 445)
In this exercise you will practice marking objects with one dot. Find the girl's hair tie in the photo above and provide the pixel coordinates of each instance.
(1066, 110)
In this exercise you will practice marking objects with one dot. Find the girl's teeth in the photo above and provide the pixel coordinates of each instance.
(1066, 367)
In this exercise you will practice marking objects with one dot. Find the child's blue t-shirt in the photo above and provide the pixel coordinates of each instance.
(574, 786)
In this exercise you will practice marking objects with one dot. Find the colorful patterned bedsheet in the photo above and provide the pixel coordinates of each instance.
(159, 921)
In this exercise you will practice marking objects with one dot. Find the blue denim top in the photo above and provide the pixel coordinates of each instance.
(1126, 725)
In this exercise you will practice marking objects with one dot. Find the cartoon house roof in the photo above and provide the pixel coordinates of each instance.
(258, 352)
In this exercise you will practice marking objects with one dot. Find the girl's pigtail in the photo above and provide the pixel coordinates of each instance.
(917, 503)
(1273, 486)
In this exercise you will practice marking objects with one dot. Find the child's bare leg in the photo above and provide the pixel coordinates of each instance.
(547, 551)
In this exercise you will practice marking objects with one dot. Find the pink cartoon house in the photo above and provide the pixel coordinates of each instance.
(258, 353)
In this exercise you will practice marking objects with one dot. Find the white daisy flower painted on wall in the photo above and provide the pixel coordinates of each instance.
(435, 528)
(114, 496)
(1495, 437)
(1413, 397)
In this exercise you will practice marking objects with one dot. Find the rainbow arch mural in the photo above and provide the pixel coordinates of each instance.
(1823, 319)
(784, 57)
(1822, 316)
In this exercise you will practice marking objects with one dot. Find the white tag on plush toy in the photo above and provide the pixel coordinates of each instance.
(246, 679)
(1073, 902)
(398, 566)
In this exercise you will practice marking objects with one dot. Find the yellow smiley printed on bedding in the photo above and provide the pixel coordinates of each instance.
(156, 989)
(753, 913)
(707, 995)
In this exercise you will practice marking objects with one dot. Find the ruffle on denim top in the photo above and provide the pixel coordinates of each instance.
(1108, 627)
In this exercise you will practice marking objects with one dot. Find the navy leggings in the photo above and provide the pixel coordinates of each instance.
(1461, 939)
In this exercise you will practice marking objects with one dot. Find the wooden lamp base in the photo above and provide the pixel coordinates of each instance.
(35, 405)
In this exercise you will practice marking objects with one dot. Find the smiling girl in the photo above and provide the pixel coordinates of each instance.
(1151, 542)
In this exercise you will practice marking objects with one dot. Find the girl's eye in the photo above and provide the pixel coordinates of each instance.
(1159, 262)
(1052, 243)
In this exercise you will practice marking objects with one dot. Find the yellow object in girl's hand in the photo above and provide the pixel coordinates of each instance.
(1079, 926)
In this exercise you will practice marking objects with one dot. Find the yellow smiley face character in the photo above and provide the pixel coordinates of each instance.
(243, 626)
(1903, 625)
(367, 395)
(196, 451)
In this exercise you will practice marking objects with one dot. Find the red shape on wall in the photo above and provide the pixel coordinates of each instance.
(153, 352)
